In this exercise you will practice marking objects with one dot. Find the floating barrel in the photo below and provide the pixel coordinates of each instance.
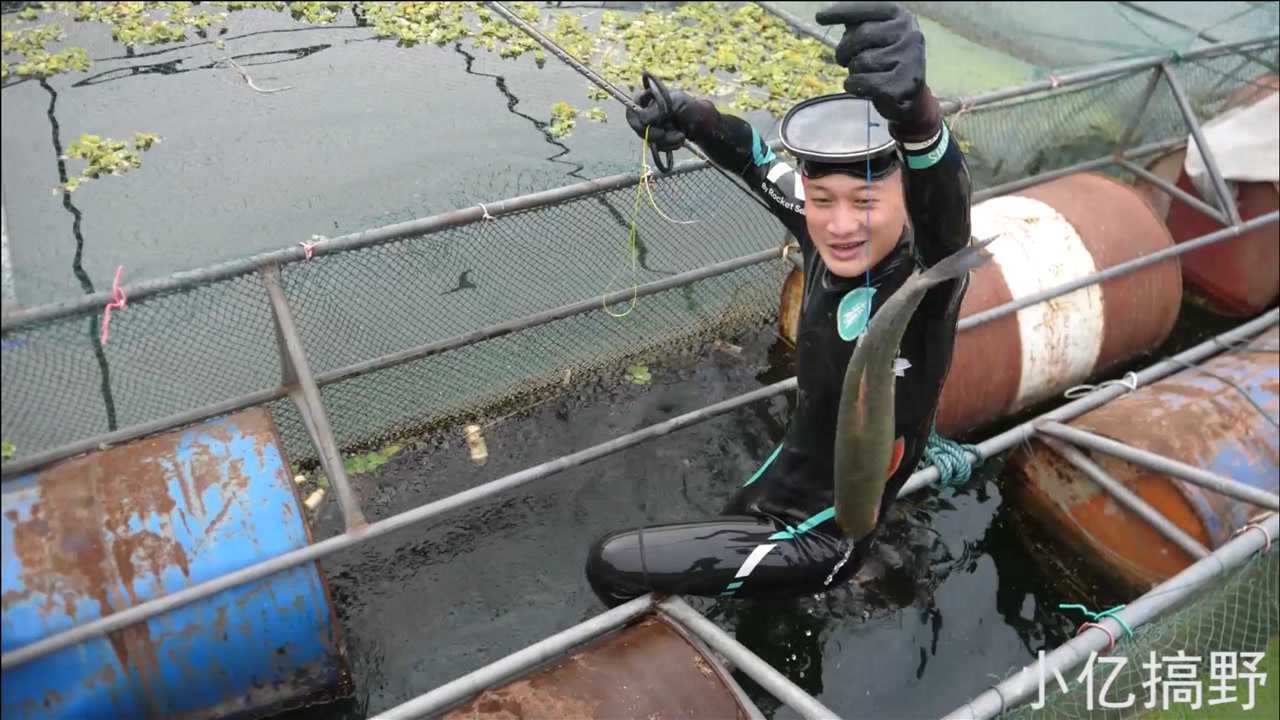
(1193, 417)
(1240, 276)
(649, 669)
(99, 533)
(1048, 235)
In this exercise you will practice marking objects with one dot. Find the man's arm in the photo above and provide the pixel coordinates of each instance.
(731, 143)
(938, 193)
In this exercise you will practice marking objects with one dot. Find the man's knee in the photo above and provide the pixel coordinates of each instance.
(616, 567)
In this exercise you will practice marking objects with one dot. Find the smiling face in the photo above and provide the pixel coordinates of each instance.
(854, 224)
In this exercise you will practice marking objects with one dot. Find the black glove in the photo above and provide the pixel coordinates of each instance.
(684, 117)
(884, 51)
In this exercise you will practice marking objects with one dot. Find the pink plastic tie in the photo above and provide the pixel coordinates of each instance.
(308, 248)
(1054, 81)
(1255, 526)
(1111, 639)
(118, 302)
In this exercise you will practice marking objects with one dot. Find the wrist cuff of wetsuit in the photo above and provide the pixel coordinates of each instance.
(922, 155)
(924, 123)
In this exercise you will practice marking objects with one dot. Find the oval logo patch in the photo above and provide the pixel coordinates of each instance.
(853, 312)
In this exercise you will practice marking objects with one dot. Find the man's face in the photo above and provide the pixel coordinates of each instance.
(854, 224)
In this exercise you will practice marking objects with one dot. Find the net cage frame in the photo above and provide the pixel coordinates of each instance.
(269, 275)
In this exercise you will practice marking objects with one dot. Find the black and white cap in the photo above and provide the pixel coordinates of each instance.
(829, 134)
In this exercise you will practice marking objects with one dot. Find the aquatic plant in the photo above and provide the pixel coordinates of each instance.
(33, 59)
(106, 156)
(368, 462)
(742, 57)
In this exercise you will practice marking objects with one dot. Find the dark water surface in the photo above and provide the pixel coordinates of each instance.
(950, 596)
(955, 597)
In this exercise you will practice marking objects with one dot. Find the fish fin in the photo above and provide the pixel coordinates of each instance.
(899, 447)
(958, 263)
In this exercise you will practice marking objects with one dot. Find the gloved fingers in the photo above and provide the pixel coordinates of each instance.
(648, 114)
(905, 56)
(864, 36)
(666, 139)
(852, 13)
(869, 85)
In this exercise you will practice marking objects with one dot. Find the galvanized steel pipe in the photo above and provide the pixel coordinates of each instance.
(1225, 197)
(1019, 433)
(324, 548)
(31, 462)
(1128, 499)
(745, 660)
(1123, 268)
(356, 536)
(1159, 463)
(452, 693)
(1070, 654)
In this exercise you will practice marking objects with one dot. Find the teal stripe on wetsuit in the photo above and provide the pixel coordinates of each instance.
(805, 526)
(761, 154)
(763, 467)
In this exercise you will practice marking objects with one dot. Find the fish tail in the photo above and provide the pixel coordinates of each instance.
(958, 263)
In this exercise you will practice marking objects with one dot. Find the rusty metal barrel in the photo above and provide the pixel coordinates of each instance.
(1193, 417)
(651, 669)
(99, 533)
(1048, 235)
(1241, 276)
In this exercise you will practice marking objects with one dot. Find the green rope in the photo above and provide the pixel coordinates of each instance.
(1097, 617)
(950, 458)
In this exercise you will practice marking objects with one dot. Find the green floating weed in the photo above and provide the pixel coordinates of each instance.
(563, 118)
(106, 156)
(639, 375)
(6, 450)
(370, 461)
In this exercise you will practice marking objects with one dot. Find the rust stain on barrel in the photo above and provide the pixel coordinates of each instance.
(1116, 224)
(985, 357)
(103, 523)
(646, 670)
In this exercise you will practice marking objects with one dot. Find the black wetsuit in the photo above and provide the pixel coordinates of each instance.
(778, 534)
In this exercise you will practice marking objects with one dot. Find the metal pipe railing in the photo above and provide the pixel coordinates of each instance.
(301, 386)
(324, 548)
(473, 683)
(1141, 151)
(357, 536)
(1128, 498)
(1119, 269)
(37, 460)
(1159, 463)
(1226, 199)
(353, 241)
(748, 662)
(1168, 594)
(1102, 70)
(1024, 431)
(1175, 191)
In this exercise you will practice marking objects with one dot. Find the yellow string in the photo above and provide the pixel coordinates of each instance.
(631, 236)
(643, 189)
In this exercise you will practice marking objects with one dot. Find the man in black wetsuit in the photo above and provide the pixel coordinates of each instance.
(864, 222)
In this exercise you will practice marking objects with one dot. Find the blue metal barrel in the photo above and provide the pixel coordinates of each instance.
(102, 532)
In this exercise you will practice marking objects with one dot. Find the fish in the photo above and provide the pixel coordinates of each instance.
(866, 453)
